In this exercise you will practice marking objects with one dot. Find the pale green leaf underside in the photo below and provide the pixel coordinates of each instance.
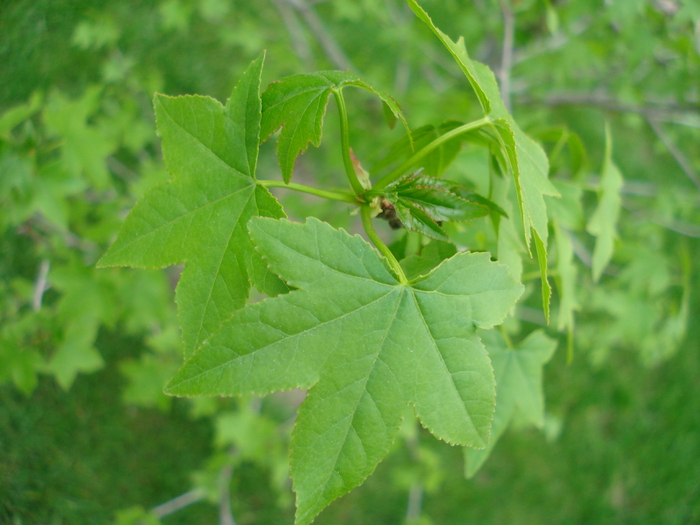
(298, 103)
(527, 160)
(366, 344)
(200, 216)
(518, 373)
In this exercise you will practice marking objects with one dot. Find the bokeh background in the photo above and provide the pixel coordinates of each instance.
(86, 435)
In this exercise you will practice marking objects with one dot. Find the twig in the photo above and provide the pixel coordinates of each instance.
(328, 43)
(182, 501)
(580, 250)
(551, 44)
(655, 110)
(415, 500)
(689, 230)
(296, 32)
(675, 152)
(225, 512)
(121, 169)
(40, 284)
(507, 54)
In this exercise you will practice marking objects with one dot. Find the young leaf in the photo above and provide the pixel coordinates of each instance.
(298, 103)
(438, 197)
(367, 346)
(518, 373)
(604, 219)
(421, 203)
(200, 216)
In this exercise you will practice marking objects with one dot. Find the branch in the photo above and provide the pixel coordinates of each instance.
(182, 501)
(677, 154)
(40, 284)
(552, 43)
(328, 43)
(296, 32)
(225, 512)
(656, 110)
(507, 56)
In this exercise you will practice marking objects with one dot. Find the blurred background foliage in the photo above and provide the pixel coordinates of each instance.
(86, 435)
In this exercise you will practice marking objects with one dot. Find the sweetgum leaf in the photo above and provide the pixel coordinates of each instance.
(199, 217)
(298, 103)
(365, 344)
(518, 373)
(527, 161)
(604, 220)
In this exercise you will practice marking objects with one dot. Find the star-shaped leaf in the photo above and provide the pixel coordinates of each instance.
(366, 344)
(298, 103)
(200, 216)
(518, 374)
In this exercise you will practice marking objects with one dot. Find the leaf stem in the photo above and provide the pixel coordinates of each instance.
(399, 171)
(366, 213)
(332, 195)
(345, 143)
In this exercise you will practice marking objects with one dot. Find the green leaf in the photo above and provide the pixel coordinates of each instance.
(84, 145)
(527, 161)
(604, 220)
(200, 216)
(298, 103)
(518, 373)
(366, 346)
(16, 115)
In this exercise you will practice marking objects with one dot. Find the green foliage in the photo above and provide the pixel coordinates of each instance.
(618, 240)
(297, 104)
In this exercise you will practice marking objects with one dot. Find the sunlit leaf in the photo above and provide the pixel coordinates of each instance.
(366, 344)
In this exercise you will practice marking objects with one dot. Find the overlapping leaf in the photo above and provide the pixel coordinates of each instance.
(526, 159)
(200, 216)
(518, 374)
(366, 343)
(298, 103)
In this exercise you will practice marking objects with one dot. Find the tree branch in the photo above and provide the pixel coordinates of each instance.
(507, 54)
(677, 154)
(180, 502)
(40, 285)
(296, 32)
(333, 51)
(652, 109)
